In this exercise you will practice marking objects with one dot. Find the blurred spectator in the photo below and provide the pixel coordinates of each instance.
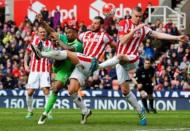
(148, 50)
(45, 13)
(56, 18)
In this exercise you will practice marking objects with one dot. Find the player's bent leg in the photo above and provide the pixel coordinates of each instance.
(57, 85)
(29, 101)
(73, 57)
(55, 54)
(130, 97)
(73, 89)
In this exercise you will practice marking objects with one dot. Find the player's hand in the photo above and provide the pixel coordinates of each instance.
(139, 27)
(27, 69)
(182, 38)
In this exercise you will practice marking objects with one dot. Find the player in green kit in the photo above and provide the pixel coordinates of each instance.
(62, 68)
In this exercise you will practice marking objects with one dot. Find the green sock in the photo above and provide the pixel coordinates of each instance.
(51, 101)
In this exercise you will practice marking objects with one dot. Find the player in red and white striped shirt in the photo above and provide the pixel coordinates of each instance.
(131, 34)
(39, 69)
(94, 44)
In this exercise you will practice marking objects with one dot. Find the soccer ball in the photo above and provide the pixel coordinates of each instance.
(108, 9)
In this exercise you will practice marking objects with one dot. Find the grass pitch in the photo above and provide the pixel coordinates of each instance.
(101, 120)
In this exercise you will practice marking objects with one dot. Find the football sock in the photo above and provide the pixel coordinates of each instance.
(29, 102)
(130, 97)
(79, 102)
(51, 101)
(110, 62)
(55, 54)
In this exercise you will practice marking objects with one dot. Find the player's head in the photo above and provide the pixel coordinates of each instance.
(136, 15)
(147, 63)
(42, 32)
(71, 33)
(97, 23)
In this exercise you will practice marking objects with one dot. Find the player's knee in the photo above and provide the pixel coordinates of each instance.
(73, 86)
(46, 90)
(30, 92)
(120, 57)
(125, 89)
(56, 86)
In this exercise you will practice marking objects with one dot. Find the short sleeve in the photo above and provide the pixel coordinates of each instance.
(107, 38)
(121, 27)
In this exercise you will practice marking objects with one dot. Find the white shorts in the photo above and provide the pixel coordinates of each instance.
(82, 70)
(38, 80)
(122, 71)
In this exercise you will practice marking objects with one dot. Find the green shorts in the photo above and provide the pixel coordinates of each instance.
(63, 70)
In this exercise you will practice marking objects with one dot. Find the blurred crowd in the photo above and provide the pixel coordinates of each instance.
(171, 59)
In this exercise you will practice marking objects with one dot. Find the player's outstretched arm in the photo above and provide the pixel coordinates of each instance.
(159, 35)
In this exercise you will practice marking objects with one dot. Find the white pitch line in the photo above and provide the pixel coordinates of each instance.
(168, 129)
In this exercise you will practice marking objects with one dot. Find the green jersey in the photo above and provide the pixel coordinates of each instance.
(64, 68)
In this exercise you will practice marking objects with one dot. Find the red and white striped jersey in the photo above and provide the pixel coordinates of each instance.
(131, 47)
(43, 64)
(94, 43)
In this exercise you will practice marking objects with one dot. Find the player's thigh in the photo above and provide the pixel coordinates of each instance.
(79, 76)
(45, 79)
(122, 74)
(63, 76)
(73, 86)
(33, 80)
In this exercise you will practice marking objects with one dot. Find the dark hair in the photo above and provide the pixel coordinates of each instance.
(99, 18)
(138, 9)
(41, 25)
(149, 59)
(72, 27)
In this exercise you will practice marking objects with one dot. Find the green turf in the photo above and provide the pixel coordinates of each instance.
(68, 120)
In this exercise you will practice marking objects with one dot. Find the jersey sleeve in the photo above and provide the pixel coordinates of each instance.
(121, 27)
(148, 30)
(78, 46)
(80, 37)
(28, 48)
(63, 38)
(107, 38)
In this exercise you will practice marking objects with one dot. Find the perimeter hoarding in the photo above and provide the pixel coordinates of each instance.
(84, 10)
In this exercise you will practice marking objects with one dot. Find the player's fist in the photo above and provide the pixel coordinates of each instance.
(182, 38)
(27, 69)
(139, 27)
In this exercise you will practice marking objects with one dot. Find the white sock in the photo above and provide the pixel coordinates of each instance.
(133, 101)
(110, 62)
(55, 54)
(29, 101)
(46, 99)
(79, 102)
